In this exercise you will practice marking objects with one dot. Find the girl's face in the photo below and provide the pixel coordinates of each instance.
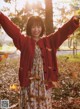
(36, 31)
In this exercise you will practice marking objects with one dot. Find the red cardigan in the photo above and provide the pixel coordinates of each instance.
(48, 46)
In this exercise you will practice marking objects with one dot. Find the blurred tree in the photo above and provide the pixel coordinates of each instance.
(8, 1)
(49, 16)
(19, 19)
(2, 38)
(34, 8)
(75, 4)
(20, 16)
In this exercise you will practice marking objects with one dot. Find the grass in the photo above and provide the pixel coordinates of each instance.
(0, 48)
(70, 57)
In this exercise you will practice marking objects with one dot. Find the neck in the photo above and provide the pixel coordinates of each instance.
(36, 39)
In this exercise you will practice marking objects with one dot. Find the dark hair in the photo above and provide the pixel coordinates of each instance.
(37, 21)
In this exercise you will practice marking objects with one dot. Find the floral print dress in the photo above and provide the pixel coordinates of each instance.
(36, 96)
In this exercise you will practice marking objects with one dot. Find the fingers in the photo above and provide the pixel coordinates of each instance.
(77, 17)
(56, 84)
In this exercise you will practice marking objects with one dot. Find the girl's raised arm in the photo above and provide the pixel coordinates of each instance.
(57, 38)
(12, 30)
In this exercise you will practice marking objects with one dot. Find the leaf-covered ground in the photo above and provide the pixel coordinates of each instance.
(8, 78)
(67, 96)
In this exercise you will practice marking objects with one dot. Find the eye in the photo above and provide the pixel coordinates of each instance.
(33, 26)
(39, 26)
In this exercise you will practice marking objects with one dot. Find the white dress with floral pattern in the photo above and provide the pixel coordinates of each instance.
(36, 96)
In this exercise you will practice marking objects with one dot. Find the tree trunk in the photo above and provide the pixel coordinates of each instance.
(48, 16)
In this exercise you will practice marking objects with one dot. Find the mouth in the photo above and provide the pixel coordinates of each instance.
(36, 33)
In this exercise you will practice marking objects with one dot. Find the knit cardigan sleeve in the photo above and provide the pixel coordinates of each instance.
(57, 38)
(12, 30)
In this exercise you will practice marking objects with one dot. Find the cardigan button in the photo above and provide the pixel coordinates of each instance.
(49, 67)
(44, 71)
(42, 56)
(43, 63)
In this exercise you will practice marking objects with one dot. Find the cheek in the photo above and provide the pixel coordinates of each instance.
(40, 30)
(32, 31)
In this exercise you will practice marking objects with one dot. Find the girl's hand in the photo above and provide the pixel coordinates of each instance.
(77, 17)
(56, 84)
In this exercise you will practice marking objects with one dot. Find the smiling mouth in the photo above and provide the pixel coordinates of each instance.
(36, 33)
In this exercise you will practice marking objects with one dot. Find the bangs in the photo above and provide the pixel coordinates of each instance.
(36, 23)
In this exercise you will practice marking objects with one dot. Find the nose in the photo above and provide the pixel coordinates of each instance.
(36, 28)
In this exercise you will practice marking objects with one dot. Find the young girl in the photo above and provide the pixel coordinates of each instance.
(38, 71)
